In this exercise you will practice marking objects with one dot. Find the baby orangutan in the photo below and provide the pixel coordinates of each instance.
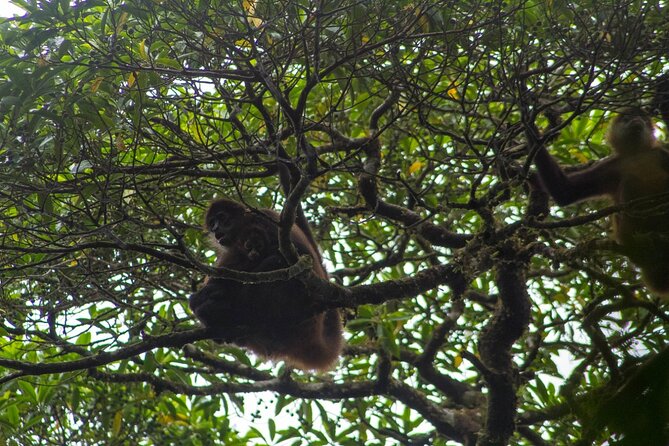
(271, 319)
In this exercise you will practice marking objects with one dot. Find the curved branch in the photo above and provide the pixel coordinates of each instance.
(369, 189)
(102, 358)
(507, 324)
(445, 421)
(330, 295)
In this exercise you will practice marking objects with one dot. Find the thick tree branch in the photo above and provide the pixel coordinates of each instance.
(510, 320)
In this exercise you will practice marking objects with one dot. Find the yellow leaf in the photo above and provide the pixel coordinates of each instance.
(164, 419)
(96, 84)
(453, 93)
(243, 43)
(249, 6)
(196, 133)
(580, 157)
(402, 105)
(423, 22)
(631, 78)
(119, 143)
(169, 419)
(457, 361)
(416, 166)
(121, 22)
(560, 298)
(116, 425)
(131, 79)
(142, 50)
(321, 181)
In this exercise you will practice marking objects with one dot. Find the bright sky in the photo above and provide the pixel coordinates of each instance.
(7, 9)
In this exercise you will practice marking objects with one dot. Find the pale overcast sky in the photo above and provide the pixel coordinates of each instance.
(7, 9)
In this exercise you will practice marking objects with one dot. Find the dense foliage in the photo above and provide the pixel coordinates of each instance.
(405, 131)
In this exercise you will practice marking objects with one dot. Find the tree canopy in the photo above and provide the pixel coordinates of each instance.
(477, 312)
